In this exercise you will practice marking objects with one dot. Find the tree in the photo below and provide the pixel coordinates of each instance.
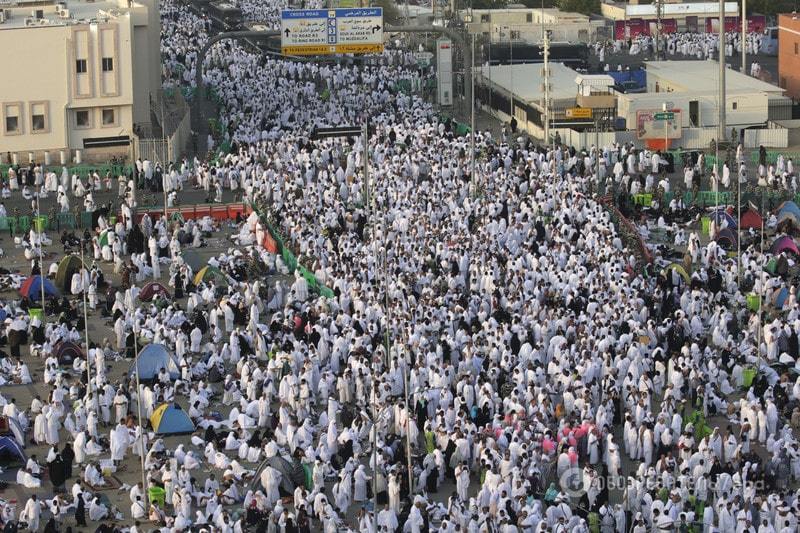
(587, 7)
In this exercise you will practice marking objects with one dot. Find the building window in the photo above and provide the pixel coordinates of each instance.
(783, 82)
(12, 121)
(108, 64)
(514, 35)
(80, 66)
(735, 105)
(82, 118)
(529, 18)
(109, 118)
(485, 18)
(38, 111)
(795, 48)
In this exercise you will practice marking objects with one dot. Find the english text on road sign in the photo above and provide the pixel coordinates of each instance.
(332, 31)
(579, 112)
(666, 115)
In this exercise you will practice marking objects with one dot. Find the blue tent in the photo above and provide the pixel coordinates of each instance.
(719, 215)
(32, 288)
(170, 419)
(151, 360)
(11, 451)
(789, 207)
(782, 298)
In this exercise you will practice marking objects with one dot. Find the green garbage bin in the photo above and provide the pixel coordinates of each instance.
(40, 223)
(705, 224)
(748, 375)
(753, 302)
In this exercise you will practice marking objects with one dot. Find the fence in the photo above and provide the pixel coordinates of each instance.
(168, 148)
(769, 138)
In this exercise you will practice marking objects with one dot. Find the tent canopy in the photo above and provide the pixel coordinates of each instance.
(170, 419)
(752, 220)
(726, 238)
(781, 298)
(149, 291)
(11, 428)
(292, 476)
(208, 273)
(679, 269)
(66, 352)
(151, 360)
(32, 288)
(782, 244)
(11, 451)
(66, 268)
(789, 207)
(719, 215)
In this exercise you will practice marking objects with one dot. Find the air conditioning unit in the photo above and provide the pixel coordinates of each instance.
(61, 6)
(30, 21)
(64, 13)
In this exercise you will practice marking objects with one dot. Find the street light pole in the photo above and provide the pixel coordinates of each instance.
(472, 127)
(744, 36)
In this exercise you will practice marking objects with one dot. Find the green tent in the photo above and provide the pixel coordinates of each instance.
(66, 268)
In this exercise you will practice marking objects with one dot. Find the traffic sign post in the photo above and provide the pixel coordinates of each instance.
(331, 31)
(579, 112)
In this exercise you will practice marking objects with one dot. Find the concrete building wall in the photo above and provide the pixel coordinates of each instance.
(789, 55)
(88, 80)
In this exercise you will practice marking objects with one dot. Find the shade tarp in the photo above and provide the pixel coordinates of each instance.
(32, 288)
(170, 419)
(678, 268)
(208, 273)
(783, 244)
(149, 291)
(66, 268)
(783, 216)
(151, 360)
(193, 259)
(11, 451)
(66, 352)
(752, 220)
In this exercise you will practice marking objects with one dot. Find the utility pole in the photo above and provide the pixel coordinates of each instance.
(659, 26)
(546, 44)
(744, 37)
(472, 126)
(511, 45)
(721, 129)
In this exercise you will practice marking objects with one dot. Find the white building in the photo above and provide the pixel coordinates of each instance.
(525, 24)
(80, 75)
(693, 88)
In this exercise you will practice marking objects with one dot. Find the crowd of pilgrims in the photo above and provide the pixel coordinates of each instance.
(682, 45)
(498, 324)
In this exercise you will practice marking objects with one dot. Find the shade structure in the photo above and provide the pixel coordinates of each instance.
(170, 419)
(783, 244)
(193, 259)
(149, 291)
(679, 269)
(752, 220)
(66, 352)
(208, 273)
(726, 238)
(32, 288)
(292, 474)
(11, 451)
(66, 268)
(151, 360)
